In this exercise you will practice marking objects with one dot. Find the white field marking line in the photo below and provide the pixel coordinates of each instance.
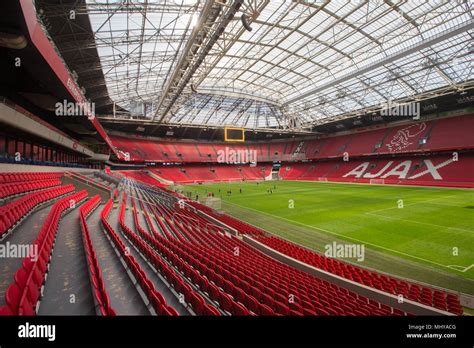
(419, 222)
(290, 190)
(468, 268)
(277, 191)
(389, 185)
(448, 205)
(344, 236)
(462, 269)
(407, 205)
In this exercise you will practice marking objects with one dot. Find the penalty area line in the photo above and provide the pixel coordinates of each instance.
(347, 237)
(461, 268)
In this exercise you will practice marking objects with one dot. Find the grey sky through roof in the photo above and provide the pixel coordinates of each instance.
(306, 60)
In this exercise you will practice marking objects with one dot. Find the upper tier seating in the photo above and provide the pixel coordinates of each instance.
(452, 132)
(207, 173)
(439, 134)
(435, 170)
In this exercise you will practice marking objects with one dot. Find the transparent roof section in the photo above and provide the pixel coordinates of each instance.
(138, 43)
(294, 62)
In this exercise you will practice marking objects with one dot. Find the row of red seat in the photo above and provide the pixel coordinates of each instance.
(251, 279)
(14, 211)
(153, 246)
(278, 283)
(203, 173)
(192, 297)
(451, 170)
(156, 299)
(24, 293)
(442, 134)
(422, 294)
(142, 149)
(14, 188)
(425, 295)
(433, 170)
(239, 225)
(27, 176)
(100, 293)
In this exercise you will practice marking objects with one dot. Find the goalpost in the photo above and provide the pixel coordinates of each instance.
(377, 181)
(212, 202)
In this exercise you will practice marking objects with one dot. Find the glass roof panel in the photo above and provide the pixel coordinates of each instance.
(298, 54)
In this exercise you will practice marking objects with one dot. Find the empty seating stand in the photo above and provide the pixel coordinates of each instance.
(205, 173)
(422, 294)
(24, 293)
(101, 297)
(145, 245)
(439, 134)
(451, 173)
(249, 283)
(14, 188)
(156, 300)
(6, 178)
(14, 211)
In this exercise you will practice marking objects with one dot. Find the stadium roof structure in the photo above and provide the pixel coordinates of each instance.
(278, 64)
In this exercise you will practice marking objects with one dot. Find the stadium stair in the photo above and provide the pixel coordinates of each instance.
(24, 294)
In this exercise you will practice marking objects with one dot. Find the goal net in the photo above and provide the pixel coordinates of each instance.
(322, 179)
(212, 202)
(377, 181)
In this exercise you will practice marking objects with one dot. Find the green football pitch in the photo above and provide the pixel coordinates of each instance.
(422, 233)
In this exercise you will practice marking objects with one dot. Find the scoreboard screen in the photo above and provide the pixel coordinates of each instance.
(234, 134)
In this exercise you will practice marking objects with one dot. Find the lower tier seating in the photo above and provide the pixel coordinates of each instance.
(241, 279)
(425, 295)
(141, 176)
(155, 298)
(101, 297)
(422, 294)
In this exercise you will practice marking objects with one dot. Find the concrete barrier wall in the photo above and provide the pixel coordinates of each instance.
(380, 296)
(18, 120)
(27, 168)
(217, 222)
